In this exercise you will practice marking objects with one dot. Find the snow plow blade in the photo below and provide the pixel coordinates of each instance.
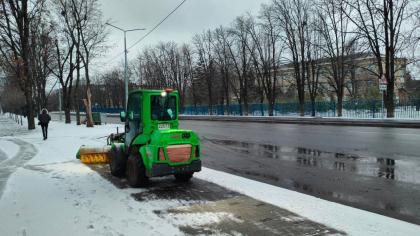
(93, 155)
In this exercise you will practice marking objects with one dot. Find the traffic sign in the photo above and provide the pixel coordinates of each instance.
(383, 84)
(382, 87)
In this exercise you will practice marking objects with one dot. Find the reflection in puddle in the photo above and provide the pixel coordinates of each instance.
(363, 165)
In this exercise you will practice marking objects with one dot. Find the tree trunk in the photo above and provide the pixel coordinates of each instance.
(301, 96)
(222, 106)
(76, 101)
(194, 97)
(67, 104)
(271, 108)
(301, 109)
(88, 106)
(210, 96)
(246, 105)
(240, 107)
(67, 115)
(262, 104)
(227, 100)
(76, 98)
(312, 106)
(30, 109)
(340, 105)
(389, 102)
(88, 100)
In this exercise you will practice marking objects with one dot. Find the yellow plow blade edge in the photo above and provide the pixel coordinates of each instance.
(89, 155)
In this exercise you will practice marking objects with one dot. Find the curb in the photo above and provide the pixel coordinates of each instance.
(391, 123)
(311, 121)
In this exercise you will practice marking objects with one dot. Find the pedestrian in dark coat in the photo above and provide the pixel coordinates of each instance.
(44, 119)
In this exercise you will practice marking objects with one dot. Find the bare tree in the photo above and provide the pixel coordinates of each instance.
(63, 70)
(108, 87)
(188, 72)
(205, 63)
(381, 24)
(15, 23)
(166, 65)
(173, 63)
(314, 60)
(90, 36)
(14, 100)
(292, 17)
(220, 45)
(241, 61)
(267, 53)
(334, 28)
(41, 54)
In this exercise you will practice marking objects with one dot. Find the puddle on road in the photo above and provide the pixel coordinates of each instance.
(401, 170)
(387, 186)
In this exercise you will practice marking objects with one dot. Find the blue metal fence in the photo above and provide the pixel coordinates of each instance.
(351, 109)
(107, 110)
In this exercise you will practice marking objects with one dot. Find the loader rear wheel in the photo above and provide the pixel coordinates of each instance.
(183, 177)
(118, 162)
(136, 172)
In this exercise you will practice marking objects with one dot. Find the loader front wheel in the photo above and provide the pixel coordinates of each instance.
(136, 172)
(118, 162)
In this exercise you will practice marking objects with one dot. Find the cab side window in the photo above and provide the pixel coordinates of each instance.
(134, 106)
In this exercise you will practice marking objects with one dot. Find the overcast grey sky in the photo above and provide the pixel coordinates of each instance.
(193, 17)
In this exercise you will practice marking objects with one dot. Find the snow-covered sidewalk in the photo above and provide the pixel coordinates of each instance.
(49, 192)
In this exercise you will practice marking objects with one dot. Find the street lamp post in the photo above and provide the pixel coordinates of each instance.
(125, 59)
(59, 100)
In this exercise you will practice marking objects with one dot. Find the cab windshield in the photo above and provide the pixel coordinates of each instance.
(163, 108)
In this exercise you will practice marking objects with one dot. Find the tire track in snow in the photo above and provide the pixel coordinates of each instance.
(26, 152)
(3, 156)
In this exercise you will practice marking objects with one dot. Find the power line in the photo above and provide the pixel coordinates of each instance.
(158, 24)
(113, 58)
(148, 33)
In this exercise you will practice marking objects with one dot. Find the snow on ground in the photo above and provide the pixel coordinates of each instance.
(54, 194)
(9, 148)
(351, 220)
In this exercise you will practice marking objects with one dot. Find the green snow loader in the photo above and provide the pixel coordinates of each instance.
(152, 145)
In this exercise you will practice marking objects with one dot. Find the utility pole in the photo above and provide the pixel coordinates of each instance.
(125, 60)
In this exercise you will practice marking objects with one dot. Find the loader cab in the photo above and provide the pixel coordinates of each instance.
(149, 110)
(133, 117)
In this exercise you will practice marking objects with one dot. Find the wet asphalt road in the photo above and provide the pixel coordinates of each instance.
(375, 169)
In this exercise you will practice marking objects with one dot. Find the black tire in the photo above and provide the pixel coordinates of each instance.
(183, 177)
(136, 172)
(117, 162)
